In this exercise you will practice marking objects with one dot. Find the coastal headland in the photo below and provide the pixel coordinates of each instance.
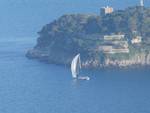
(119, 38)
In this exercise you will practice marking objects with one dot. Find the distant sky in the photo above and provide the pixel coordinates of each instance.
(22, 18)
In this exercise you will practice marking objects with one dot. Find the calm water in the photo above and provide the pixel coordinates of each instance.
(29, 86)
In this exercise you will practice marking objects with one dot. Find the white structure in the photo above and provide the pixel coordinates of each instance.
(106, 10)
(113, 37)
(114, 44)
(141, 3)
(136, 40)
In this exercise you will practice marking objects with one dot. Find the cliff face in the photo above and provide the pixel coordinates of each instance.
(62, 39)
(137, 60)
(142, 59)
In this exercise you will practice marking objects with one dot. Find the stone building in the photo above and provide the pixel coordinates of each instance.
(114, 44)
(136, 40)
(106, 10)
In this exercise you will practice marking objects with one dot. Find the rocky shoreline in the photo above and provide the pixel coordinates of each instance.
(139, 60)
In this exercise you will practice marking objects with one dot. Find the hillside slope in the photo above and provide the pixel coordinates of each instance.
(60, 40)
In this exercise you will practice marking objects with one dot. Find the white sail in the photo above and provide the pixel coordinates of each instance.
(75, 66)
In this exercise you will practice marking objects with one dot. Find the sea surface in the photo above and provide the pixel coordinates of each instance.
(30, 86)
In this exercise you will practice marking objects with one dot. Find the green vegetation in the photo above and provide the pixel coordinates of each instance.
(81, 33)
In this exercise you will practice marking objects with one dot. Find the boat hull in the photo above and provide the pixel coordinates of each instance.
(84, 78)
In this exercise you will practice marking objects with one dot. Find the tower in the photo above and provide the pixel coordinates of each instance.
(106, 10)
(142, 3)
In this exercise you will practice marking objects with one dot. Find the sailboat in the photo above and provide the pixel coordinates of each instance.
(76, 67)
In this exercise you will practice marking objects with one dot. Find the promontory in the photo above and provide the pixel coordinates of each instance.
(119, 38)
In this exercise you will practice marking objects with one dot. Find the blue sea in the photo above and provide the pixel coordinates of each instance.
(31, 86)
